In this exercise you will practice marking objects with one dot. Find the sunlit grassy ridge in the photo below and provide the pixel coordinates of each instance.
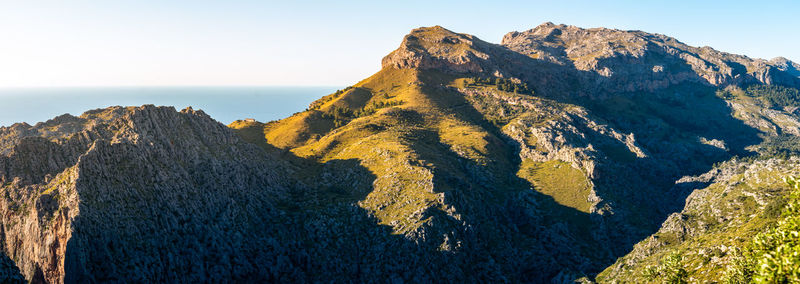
(393, 143)
(252, 131)
(429, 128)
(380, 141)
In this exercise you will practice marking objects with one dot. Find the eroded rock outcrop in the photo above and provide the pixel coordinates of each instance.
(630, 61)
(146, 194)
(439, 48)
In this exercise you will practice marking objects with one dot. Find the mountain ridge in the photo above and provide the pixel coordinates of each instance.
(544, 158)
(432, 57)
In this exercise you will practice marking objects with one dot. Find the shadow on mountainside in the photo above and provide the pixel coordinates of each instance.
(233, 212)
(493, 225)
(225, 214)
(495, 231)
(684, 129)
(527, 235)
(221, 218)
(532, 236)
(681, 127)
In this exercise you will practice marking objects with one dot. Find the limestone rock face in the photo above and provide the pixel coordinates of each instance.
(149, 194)
(633, 111)
(436, 48)
(785, 65)
(635, 60)
(440, 49)
(589, 62)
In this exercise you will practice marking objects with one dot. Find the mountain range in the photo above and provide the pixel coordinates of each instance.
(562, 154)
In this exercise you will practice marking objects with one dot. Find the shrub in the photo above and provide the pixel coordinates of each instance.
(342, 115)
(776, 95)
(774, 255)
(740, 269)
(777, 251)
(670, 270)
(505, 85)
(781, 146)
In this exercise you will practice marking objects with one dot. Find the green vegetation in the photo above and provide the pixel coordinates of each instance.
(318, 103)
(440, 145)
(375, 106)
(500, 108)
(496, 111)
(342, 115)
(776, 96)
(762, 250)
(566, 184)
(506, 85)
(774, 255)
(726, 215)
(782, 146)
(740, 269)
(671, 270)
(771, 96)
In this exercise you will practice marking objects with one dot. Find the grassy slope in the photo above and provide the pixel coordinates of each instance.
(436, 133)
(403, 146)
(567, 185)
(431, 163)
(402, 186)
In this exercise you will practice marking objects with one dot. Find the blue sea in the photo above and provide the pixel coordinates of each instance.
(224, 104)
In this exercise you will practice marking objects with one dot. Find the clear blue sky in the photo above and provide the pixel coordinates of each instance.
(156, 43)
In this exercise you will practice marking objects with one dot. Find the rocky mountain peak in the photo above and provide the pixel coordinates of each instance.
(192, 111)
(578, 44)
(610, 59)
(786, 65)
(636, 60)
(438, 48)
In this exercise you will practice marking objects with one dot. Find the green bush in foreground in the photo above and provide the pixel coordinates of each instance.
(774, 255)
(671, 270)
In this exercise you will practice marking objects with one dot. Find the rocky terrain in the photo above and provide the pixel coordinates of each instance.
(628, 61)
(134, 193)
(728, 206)
(556, 155)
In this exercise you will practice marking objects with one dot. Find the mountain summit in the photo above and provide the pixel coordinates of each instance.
(657, 61)
(544, 158)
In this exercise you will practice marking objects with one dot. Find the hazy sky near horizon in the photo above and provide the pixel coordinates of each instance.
(190, 43)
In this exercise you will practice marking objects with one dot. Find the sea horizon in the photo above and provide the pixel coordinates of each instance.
(223, 103)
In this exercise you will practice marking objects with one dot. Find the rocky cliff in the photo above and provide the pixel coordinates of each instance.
(132, 193)
(635, 60)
